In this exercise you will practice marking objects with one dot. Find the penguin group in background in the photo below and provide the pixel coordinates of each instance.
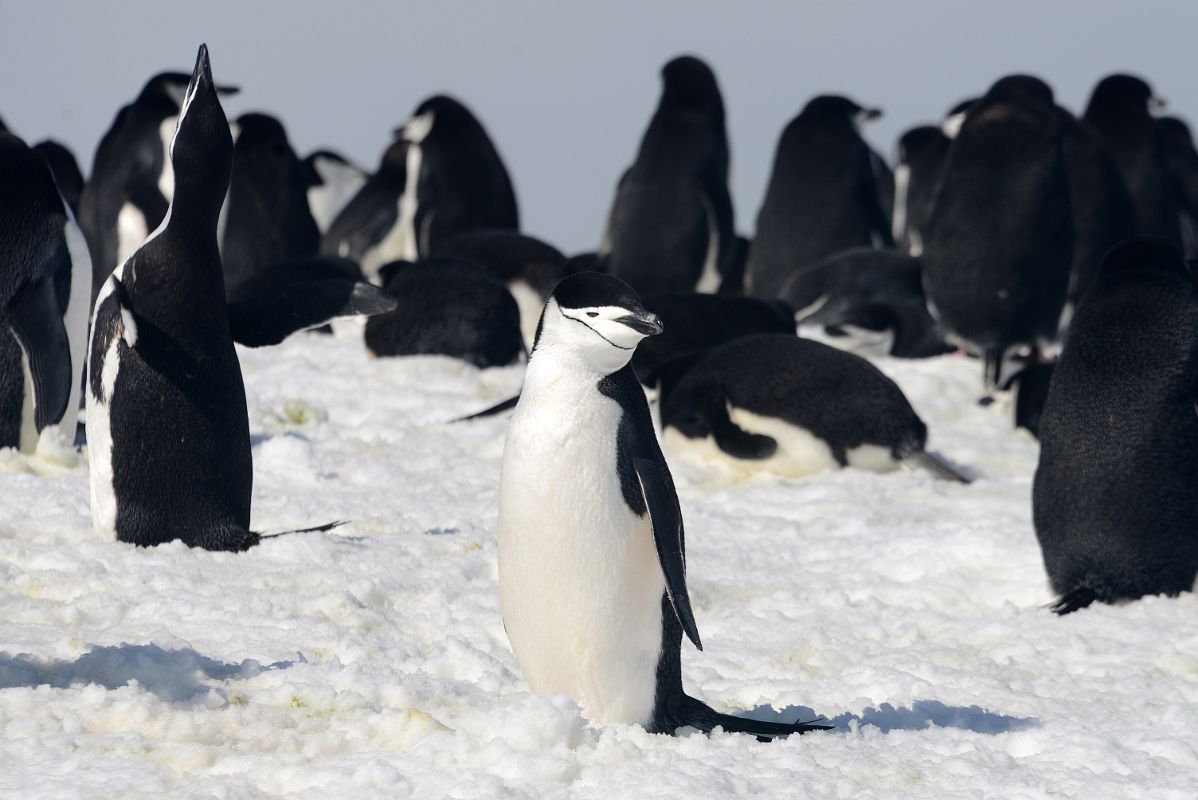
(671, 227)
(45, 290)
(65, 169)
(592, 555)
(823, 195)
(332, 181)
(368, 228)
(447, 307)
(131, 180)
(1115, 496)
(999, 248)
(793, 407)
(922, 152)
(266, 215)
(168, 433)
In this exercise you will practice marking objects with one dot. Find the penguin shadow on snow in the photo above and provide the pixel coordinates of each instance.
(171, 675)
(924, 714)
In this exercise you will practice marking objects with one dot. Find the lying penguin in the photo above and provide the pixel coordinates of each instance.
(592, 559)
(794, 407)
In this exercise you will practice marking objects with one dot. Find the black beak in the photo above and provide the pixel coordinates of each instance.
(873, 113)
(643, 322)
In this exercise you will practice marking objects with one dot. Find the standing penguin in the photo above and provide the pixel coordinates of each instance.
(823, 195)
(66, 172)
(168, 432)
(922, 153)
(332, 182)
(131, 179)
(999, 248)
(45, 287)
(671, 223)
(592, 564)
(267, 219)
(1115, 497)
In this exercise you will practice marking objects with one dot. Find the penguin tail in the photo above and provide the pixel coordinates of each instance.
(498, 408)
(701, 716)
(938, 466)
(328, 526)
(992, 369)
(1074, 600)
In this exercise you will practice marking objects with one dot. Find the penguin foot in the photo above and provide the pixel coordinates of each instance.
(698, 715)
(232, 540)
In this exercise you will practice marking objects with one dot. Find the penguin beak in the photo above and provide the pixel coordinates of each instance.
(642, 322)
(869, 114)
(1156, 104)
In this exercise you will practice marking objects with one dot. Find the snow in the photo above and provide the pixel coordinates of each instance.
(371, 661)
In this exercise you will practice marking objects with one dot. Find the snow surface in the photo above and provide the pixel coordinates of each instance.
(371, 661)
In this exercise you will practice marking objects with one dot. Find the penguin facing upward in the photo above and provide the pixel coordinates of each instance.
(1116, 490)
(332, 182)
(671, 224)
(45, 287)
(266, 216)
(822, 196)
(456, 181)
(131, 178)
(922, 152)
(66, 172)
(999, 248)
(369, 229)
(592, 556)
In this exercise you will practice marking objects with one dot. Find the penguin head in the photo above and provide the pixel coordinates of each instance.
(262, 149)
(445, 120)
(955, 117)
(595, 321)
(395, 160)
(688, 84)
(202, 148)
(1124, 95)
(1024, 90)
(839, 106)
(923, 142)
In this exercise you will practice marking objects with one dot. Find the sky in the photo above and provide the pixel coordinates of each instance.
(565, 88)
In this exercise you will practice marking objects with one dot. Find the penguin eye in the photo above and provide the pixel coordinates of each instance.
(592, 313)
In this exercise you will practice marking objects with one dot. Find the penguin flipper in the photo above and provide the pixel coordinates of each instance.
(328, 526)
(729, 437)
(35, 319)
(699, 715)
(1074, 600)
(937, 465)
(665, 517)
(269, 318)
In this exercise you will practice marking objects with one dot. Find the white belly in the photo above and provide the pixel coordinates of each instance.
(579, 580)
(131, 229)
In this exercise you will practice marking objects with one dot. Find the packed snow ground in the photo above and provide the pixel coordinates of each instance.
(371, 661)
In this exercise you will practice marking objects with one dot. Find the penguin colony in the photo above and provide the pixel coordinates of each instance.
(1049, 247)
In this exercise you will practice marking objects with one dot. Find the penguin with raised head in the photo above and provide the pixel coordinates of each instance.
(592, 558)
(922, 152)
(168, 432)
(45, 290)
(372, 229)
(131, 179)
(999, 248)
(266, 217)
(332, 182)
(670, 227)
(66, 172)
(1115, 496)
(823, 195)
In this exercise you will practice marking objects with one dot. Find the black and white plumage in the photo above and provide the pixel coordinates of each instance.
(332, 182)
(592, 565)
(64, 167)
(998, 251)
(45, 289)
(823, 195)
(368, 228)
(922, 153)
(1115, 496)
(793, 407)
(671, 224)
(131, 179)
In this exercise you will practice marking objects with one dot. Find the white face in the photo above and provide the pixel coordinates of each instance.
(417, 128)
(595, 337)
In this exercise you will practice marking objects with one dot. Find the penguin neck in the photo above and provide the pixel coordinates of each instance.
(557, 370)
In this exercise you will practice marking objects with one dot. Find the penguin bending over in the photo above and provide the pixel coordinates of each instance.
(332, 181)
(592, 558)
(368, 229)
(1115, 496)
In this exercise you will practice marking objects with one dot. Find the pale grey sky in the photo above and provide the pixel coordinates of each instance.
(566, 88)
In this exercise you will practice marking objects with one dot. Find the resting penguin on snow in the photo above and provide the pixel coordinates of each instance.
(592, 559)
(794, 407)
(131, 179)
(45, 287)
(166, 413)
(1115, 497)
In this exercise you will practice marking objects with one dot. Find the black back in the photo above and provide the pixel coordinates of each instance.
(823, 196)
(463, 184)
(510, 256)
(999, 248)
(837, 396)
(66, 172)
(267, 216)
(672, 205)
(1182, 161)
(1115, 497)
(447, 307)
(923, 151)
(373, 211)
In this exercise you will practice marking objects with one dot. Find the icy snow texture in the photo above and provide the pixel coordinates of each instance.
(372, 662)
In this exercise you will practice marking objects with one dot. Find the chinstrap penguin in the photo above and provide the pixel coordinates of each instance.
(332, 181)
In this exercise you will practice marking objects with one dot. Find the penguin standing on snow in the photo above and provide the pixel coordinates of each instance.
(999, 249)
(168, 432)
(266, 214)
(45, 288)
(131, 179)
(592, 564)
(671, 223)
(1115, 497)
(823, 195)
